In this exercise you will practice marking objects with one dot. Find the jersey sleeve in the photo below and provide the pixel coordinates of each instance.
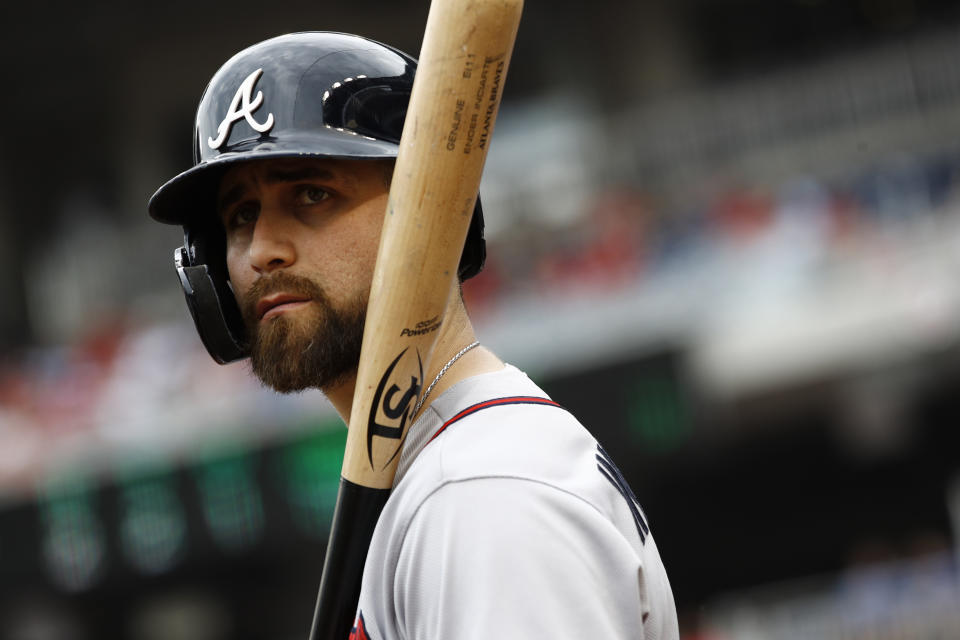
(513, 558)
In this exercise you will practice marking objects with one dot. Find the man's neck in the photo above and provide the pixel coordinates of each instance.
(456, 332)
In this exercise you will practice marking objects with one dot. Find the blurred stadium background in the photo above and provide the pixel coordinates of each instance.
(725, 233)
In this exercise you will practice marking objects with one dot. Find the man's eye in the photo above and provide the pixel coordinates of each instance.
(241, 216)
(311, 195)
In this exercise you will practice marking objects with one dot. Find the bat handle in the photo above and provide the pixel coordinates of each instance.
(354, 519)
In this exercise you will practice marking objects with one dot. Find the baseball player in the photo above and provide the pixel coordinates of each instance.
(507, 519)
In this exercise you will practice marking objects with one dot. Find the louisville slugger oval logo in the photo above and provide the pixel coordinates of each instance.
(241, 108)
(393, 405)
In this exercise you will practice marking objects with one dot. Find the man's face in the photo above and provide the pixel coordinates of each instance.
(302, 238)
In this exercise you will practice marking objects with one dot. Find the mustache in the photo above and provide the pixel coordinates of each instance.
(277, 283)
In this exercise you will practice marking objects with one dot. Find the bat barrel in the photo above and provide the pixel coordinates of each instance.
(453, 107)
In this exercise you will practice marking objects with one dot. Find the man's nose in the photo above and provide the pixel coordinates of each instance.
(272, 245)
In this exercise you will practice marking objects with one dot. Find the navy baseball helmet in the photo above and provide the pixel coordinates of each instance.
(316, 94)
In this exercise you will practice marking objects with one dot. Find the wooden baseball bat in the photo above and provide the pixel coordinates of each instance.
(466, 50)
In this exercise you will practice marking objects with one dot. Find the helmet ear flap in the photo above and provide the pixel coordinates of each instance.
(201, 266)
(474, 247)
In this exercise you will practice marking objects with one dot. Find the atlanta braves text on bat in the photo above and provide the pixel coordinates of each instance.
(507, 519)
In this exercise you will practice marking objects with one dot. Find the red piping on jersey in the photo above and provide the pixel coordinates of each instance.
(494, 403)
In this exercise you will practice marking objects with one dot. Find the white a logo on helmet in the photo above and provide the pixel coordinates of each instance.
(242, 107)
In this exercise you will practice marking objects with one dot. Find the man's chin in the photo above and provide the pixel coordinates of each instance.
(298, 351)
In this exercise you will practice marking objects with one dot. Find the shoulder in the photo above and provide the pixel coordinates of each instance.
(513, 434)
(521, 493)
(527, 448)
(516, 432)
(538, 557)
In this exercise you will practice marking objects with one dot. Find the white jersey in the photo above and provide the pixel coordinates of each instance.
(508, 520)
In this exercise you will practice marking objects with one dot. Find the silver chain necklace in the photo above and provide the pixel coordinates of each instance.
(449, 364)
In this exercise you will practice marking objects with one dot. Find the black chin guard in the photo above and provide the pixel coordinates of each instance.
(213, 308)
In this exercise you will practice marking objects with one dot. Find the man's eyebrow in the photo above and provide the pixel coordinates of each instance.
(229, 198)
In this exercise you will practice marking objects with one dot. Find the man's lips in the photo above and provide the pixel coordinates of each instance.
(277, 303)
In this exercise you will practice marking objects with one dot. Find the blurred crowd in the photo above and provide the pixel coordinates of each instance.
(625, 235)
(128, 394)
(877, 598)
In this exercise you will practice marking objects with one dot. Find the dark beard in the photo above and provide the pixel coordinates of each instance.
(320, 348)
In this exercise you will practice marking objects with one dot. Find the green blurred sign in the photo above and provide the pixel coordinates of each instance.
(310, 473)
